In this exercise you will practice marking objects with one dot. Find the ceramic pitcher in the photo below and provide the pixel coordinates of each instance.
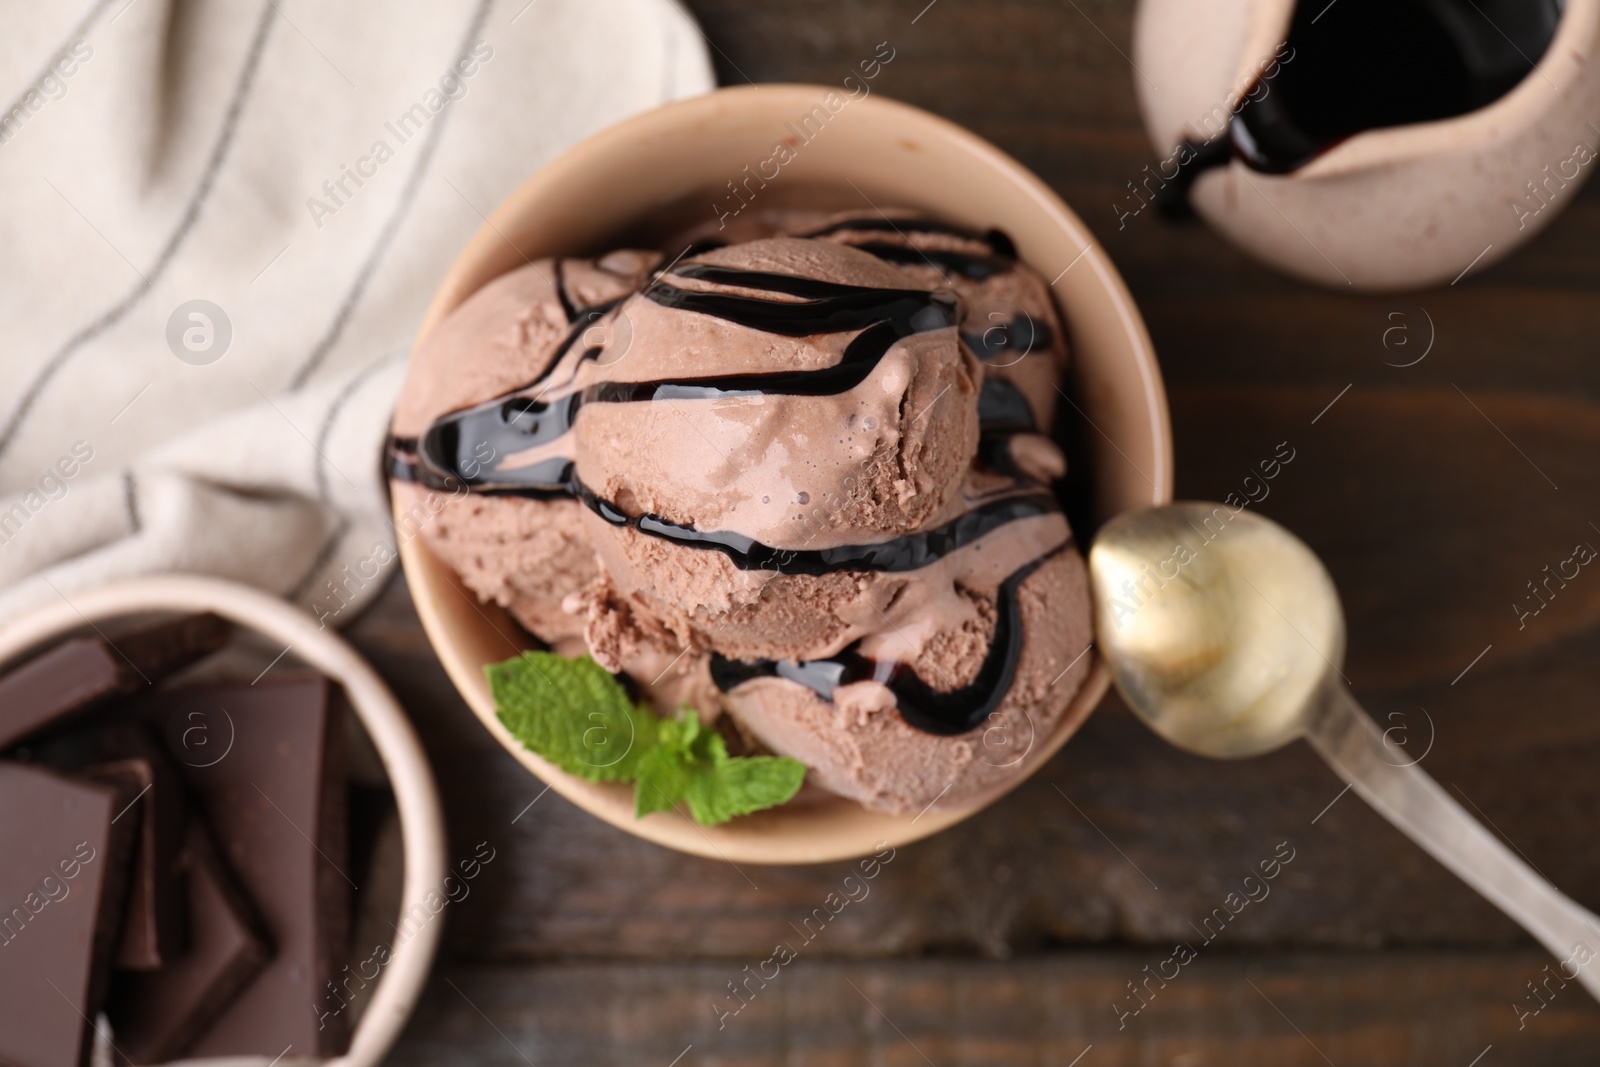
(1395, 207)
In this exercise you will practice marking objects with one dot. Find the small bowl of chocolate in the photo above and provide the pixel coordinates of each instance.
(215, 810)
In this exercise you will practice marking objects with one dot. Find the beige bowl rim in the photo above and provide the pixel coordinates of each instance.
(467, 635)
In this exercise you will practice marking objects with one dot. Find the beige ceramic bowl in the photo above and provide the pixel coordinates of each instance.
(385, 722)
(663, 171)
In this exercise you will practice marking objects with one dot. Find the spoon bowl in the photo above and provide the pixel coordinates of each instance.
(1220, 626)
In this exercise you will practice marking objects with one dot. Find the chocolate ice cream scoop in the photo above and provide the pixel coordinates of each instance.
(524, 552)
(798, 481)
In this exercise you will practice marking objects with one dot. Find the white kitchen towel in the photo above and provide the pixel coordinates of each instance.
(220, 223)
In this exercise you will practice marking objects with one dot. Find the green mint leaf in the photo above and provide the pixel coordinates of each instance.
(739, 785)
(666, 770)
(574, 714)
(577, 716)
(663, 777)
(720, 787)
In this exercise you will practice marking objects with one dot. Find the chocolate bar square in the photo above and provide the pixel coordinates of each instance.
(127, 752)
(271, 783)
(82, 672)
(157, 1016)
(61, 885)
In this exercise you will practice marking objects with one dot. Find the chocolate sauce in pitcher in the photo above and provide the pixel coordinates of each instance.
(1355, 65)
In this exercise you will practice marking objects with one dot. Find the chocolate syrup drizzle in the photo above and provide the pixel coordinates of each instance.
(446, 456)
(1010, 340)
(947, 713)
(1003, 412)
(998, 241)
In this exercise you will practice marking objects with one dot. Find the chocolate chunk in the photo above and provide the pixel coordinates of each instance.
(61, 883)
(127, 753)
(156, 1016)
(272, 786)
(80, 673)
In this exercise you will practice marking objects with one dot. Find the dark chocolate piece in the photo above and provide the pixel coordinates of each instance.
(126, 752)
(157, 1016)
(61, 884)
(276, 799)
(80, 673)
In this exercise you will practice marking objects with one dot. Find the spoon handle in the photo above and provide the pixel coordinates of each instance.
(1355, 747)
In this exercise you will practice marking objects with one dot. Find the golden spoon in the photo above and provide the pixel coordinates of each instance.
(1225, 635)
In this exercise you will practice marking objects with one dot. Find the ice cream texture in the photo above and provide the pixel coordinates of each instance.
(800, 482)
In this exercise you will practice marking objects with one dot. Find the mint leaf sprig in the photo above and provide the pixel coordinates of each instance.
(576, 715)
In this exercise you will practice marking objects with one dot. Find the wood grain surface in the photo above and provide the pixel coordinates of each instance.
(1434, 492)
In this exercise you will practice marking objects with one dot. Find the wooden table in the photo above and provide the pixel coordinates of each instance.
(1434, 493)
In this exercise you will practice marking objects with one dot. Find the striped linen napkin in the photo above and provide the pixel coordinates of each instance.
(221, 221)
